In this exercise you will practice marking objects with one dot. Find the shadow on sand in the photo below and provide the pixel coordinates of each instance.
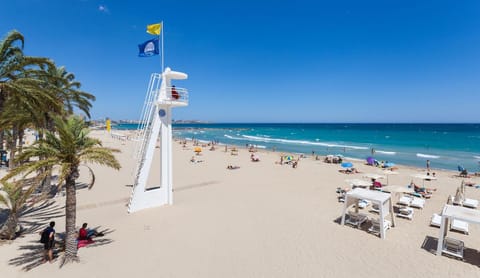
(470, 256)
(33, 253)
(197, 185)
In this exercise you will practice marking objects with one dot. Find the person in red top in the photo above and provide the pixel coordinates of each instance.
(87, 234)
(175, 94)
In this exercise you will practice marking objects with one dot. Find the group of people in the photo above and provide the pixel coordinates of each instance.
(48, 238)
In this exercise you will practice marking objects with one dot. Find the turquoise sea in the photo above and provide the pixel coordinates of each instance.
(445, 145)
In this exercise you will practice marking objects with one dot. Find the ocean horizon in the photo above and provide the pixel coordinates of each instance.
(446, 145)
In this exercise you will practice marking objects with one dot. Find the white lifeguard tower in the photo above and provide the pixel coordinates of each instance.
(156, 123)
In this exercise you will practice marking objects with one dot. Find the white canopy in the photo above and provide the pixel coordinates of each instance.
(383, 200)
(455, 212)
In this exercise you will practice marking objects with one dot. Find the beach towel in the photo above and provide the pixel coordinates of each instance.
(84, 242)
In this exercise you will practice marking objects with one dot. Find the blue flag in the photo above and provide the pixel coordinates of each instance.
(148, 48)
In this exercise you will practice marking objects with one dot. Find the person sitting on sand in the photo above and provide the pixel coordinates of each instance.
(87, 234)
(376, 184)
(231, 167)
(254, 157)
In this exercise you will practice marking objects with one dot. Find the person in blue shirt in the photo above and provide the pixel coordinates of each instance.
(49, 241)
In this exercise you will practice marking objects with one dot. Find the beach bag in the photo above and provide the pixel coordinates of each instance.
(45, 235)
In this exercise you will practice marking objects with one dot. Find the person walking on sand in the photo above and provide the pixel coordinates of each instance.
(428, 165)
(48, 240)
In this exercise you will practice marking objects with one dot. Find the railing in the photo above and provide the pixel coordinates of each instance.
(175, 96)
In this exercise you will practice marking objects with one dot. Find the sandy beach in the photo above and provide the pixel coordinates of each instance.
(261, 220)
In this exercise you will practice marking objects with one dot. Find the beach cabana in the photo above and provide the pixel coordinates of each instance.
(381, 199)
(448, 245)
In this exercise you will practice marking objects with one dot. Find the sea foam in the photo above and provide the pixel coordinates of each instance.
(427, 155)
(300, 142)
(386, 152)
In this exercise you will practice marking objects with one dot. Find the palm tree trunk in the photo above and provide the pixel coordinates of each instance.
(9, 228)
(70, 215)
(21, 133)
(13, 147)
(2, 137)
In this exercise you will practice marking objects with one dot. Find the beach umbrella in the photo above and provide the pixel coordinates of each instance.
(388, 173)
(373, 176)
(389, 164)
(197, 150)
(346, 165)
(459, 197)
(370, 160)
(358, 182)
(395, 190)
(424, 178)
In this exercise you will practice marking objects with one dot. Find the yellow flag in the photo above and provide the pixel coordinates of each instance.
(154, 29)
(109, 125)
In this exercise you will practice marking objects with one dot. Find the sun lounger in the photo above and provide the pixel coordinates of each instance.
(405, 200)
(471, 203)
(417, 202)
(436, 220)
(375, 228)
(363, 203)
(406, 213)
(356, 219)
(453, 247)
(375, 208)
(459, 225)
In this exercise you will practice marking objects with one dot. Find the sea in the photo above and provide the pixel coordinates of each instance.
(446, 145)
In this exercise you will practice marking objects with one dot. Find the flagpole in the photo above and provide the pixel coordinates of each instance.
(162, 31)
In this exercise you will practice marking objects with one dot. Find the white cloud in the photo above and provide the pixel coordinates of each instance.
(103, 9)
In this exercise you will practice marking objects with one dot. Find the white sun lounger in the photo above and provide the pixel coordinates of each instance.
(405, 200)
(471, 203)
(459, 225)
(375, 228)
(356, 219)
(363, 203)
(436, 220)
(453, 247)
(406, 213)
(417, 203)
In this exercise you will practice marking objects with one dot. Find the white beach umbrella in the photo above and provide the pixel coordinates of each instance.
(395, 190)
(358, 182)
(373, 176)
(424, 178)
(388, 173)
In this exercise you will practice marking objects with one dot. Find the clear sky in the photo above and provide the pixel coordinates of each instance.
(269, 61)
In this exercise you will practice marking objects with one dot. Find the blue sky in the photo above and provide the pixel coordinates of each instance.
(269, 61)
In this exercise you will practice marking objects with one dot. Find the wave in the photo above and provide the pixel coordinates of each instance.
(476, 156)
(427, 155)
(385, 152)
(300, 142)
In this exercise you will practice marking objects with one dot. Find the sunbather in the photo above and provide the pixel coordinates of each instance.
(87, 234)
(423, 191)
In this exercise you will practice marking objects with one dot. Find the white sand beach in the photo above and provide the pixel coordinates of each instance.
(261, 220)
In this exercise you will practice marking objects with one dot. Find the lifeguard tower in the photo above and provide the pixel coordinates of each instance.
(156, 123)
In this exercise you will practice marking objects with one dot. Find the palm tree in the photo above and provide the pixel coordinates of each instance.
(14, 197)
(66, 151)
(67, 90)
(21, 82)
(68, 95)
